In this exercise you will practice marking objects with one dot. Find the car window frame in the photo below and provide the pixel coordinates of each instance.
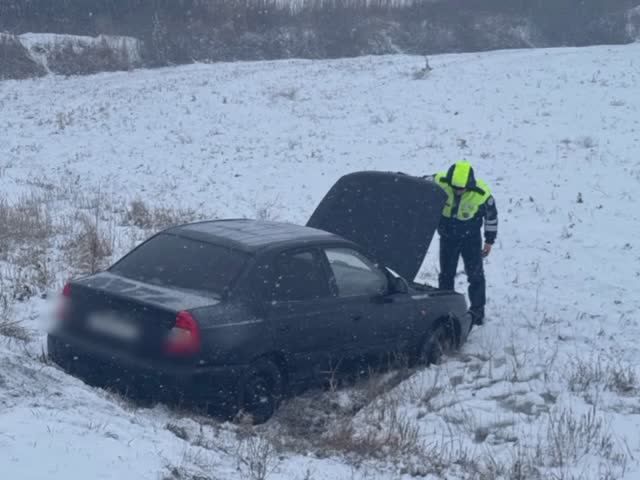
(332, 279)
(319, 263)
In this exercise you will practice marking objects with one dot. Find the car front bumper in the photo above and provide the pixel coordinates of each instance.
(209, 386)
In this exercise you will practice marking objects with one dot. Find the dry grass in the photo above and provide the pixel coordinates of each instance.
(140, 215)
(571, 437)
(15, 330)
(27, 274)
(573, 447)
(569, 446)
(370, 425)
(35, 238)
(388, 434)
(26, 221)
(178, 431)
(39, 245)
(8, 327)
(424, 71)
(255, 453)
(593, 374)
(256, 457)
(183, 473)
(288, 93)
(194, 465)
(622, 379)
(27, 231)
(91, 247)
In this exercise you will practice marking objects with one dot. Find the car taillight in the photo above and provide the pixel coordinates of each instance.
(63, 305)
(184, 337)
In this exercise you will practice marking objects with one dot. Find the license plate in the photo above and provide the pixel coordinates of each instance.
(112, 325)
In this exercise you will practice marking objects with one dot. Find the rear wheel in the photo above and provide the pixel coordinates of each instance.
(261, 389)
(436, 345)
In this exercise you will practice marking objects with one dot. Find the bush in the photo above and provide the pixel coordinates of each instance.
(92, 246)
(16, 61)
(85, 59)
(25, 222)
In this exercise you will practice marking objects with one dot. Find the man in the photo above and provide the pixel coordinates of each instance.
(469, 202)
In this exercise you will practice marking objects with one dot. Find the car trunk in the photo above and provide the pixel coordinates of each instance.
(126, 315)
(392, 216)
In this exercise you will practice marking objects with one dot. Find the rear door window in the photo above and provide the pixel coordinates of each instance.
(177, 262)
(298, 276)
(354, 274)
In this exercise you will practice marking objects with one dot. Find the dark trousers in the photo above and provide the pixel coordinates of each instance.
(470, 248)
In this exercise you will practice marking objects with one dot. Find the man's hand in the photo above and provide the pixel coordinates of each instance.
(486, 250)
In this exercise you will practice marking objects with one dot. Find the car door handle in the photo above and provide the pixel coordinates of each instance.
(356, 317)
(284, 329)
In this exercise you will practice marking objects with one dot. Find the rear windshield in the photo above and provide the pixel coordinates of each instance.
(178, 262)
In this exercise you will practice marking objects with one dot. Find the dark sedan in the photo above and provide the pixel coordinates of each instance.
(241, 312)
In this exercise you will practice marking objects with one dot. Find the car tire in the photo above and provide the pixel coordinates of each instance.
(260, 390)
(436, 344)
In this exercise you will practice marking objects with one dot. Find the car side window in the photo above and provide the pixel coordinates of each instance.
(298, 276)
(355, 274)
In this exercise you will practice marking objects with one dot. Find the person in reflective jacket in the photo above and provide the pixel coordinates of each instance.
(469, 205)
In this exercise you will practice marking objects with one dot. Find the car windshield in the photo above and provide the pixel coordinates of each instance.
(177, 262)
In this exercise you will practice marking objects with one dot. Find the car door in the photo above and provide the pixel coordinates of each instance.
(365, 308)
(303, 316)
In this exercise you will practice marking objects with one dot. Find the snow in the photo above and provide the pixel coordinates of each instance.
(555, 133)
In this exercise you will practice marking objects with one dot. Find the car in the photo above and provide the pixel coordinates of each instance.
(238, 313)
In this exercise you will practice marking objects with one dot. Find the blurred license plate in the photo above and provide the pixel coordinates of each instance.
(112, 325)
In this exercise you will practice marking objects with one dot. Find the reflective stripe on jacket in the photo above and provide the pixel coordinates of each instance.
(463, 215)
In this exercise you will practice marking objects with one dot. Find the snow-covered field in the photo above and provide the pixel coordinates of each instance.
(548, 388)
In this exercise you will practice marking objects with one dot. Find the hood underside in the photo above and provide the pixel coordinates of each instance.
(392, 216)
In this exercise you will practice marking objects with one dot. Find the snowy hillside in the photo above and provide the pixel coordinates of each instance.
(548, 388)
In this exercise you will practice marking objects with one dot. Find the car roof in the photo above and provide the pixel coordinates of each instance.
(254, 235)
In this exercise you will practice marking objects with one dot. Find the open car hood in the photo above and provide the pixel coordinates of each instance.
(392, 216)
